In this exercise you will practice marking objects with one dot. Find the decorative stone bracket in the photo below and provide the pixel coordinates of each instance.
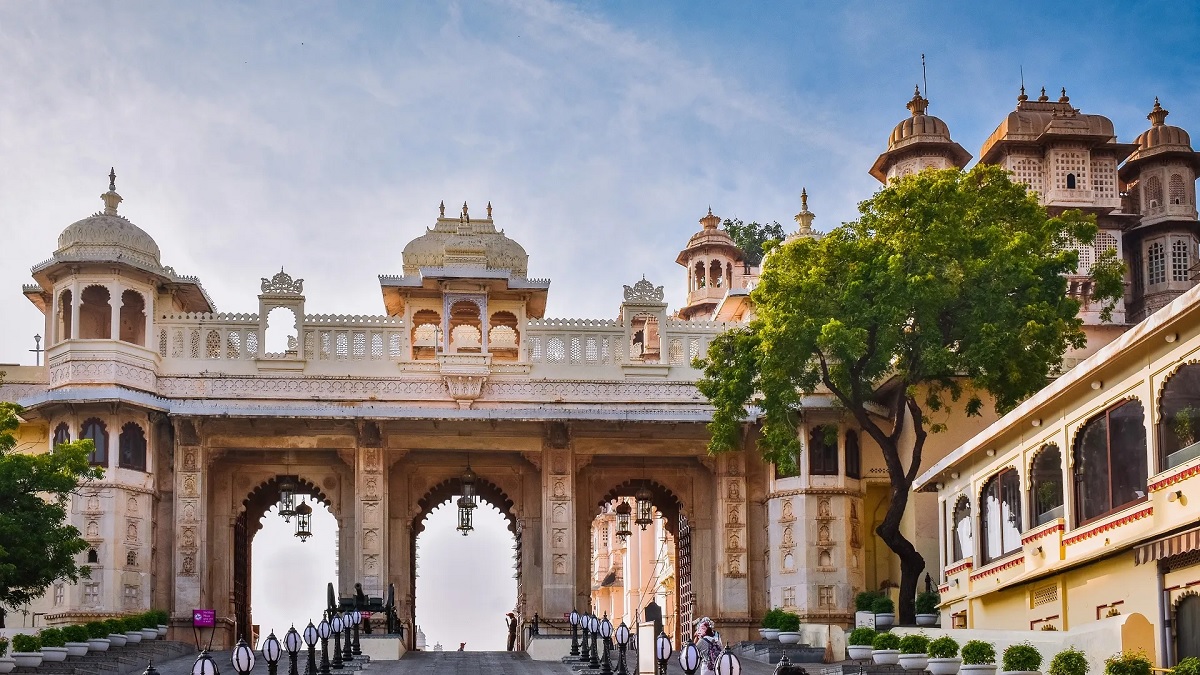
(464, 375)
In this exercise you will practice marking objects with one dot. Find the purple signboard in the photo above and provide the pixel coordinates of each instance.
(204, 618)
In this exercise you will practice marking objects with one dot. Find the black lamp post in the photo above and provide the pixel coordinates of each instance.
(689, 657)
(594, 629)
(310, 639)
(291, 642)
(662, 651)
(335, 626)
(150, 669)
(606, 636)
(356, 618)
(574, 633)
(323, 630)
(622, 635)
(347, 650)
(243, 657)
(584, 626)
(729, 663)
(205, 665)
(271, 651)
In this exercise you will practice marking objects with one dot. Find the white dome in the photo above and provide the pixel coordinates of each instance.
(102, 235)
(457, 242)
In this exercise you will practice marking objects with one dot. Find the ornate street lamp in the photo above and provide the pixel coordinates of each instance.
(465, 507)
(243, 657)
(287, 498)
(291, 642)
(310, 639)
(335, 626)
(622, 634)
(606, 636)
(585, 625)
(623, 510)
(205, 665)
(645, 507)
(271, 651)
(728, 663)
(574, 633)
(689, 657)
(355, 620)
(324, 630)
(303, 521)
(468, 484)
(150, 669)
(347, 650)
(594, 628)
(662, 651)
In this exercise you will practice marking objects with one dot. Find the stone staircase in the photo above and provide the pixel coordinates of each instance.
(771, 651)
(125, 660)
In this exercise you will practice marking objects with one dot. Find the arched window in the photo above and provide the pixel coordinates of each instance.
(1046, 476)
(1154, 192)
(716, 275)
(132, 454)
(700, 277)
(131, 559)
(426, 334)
(62, 434)
(1070, 181)
(92, 556)
(95, 314)
(466, 327)
(853, 455)
(963, 545)
(1110, 461)
(1175, 189)
(95, 430)
(1156, 263)
(64, 315)
(823, 451)
(1181, 260)
(133, 318)
(1000, 515)
(1179, 421)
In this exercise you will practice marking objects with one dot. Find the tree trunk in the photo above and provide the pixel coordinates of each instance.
(911, 561)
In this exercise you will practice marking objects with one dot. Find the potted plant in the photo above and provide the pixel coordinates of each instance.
(1069, 661)
(116, 632)
(862, 607)
(162, 621)
(54, 645)
(1021, 658)
(770, 624)
(978, 657)
(97, 636)
(913, 651)
(859, 644)
(27, 651)
(926, 605)
(886, 649)
(789, 629)
(77, 640)
(1127, 663)
(885, 611)
(149, 623)
(1188, 666)
(6, 662)
(133, 629)
(943, 656)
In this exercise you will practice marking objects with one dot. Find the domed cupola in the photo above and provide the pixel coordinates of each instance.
(1161, 140)
(108, 237)
(465, 242)
(919, 142)
(714, 266)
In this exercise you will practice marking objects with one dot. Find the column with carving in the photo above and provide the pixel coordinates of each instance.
(733, 591)
(191, 536)
(370, 490)
(559, 540)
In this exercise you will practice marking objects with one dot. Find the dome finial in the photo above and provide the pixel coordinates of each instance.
(442, 209)
(919, 104)
(489, 209)
(111, 198)
(1043, 98)
(710, 221)
(465, 214)
(1064, 98)
(1158, 115)
(805, 217)
(1022, 97)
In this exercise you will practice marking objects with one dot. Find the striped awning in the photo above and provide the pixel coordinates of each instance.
(1183, 542)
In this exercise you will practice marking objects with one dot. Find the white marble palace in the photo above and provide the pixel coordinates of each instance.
(377, 417)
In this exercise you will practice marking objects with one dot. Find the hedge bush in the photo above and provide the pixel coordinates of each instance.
(927, 602)
(944, 647)
(772, 617)
(883, 605)
(75, 633)
(886, 641)
(789, 622)
(1022, 656)
(915, 643)
(26, 643)
(865, 600)
(1127, 663)
(3, 646)
(52, 637)
(1069, 661)
(861, 637)
(96, 630)
(115, 626)
(978, 652)
(1188, 666)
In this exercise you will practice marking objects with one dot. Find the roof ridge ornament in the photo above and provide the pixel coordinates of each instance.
(282, 284)
(805, 217)
(643, 291)
(710, 221)
(919, 104)
(111, 198)
(442, 209)
(1158, 114)
(1043, 98)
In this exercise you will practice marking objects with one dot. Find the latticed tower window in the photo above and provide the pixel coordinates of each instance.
(1156, 263)
(1180, 260)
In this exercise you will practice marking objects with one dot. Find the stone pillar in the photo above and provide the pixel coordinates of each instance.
(733, 591)
(370, 524)
(191, 537)
(75, 302)
(114, 309)
(151, 341)
(560, 545)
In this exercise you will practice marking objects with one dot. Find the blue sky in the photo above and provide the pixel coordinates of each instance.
(322, 136)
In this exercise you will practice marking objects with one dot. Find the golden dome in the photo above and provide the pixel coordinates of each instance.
(1160, 133)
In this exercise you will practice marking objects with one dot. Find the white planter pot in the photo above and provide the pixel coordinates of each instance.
(944, 666)
(162, 630)
(884, 621)
(789, 638)
(886, 657)
(27, 659)
(858, 652)
(118, 639)
(927, 619)
(771, 633)
(77, 648)
(914, 661)
(99, 644)
(149, 634)
(977, 669)
(54, 654)
(133, 636)
(7, 665)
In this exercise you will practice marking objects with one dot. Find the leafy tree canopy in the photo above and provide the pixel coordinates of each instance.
(37, 546)
(750, 237)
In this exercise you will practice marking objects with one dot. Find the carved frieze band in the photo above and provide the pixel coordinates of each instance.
(188, 487)
(370, 497)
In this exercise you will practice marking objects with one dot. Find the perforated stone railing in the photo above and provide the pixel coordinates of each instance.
(354, 338)
(597, 343)
(207, 336)
(218, 337)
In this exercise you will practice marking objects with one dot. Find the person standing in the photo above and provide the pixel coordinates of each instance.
(511, 620)
(708, 642)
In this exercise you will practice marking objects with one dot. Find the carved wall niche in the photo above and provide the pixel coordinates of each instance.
(823, 535)
(788, 537)
(788, 515)
(93, 503)
(371, 540)
(823, 508)
(560, 563)
(558, 538)
(187, 566)
(788, 560)
(132, 505)
(93, 529)
(560, 513)
(559, 491)
(825, 559)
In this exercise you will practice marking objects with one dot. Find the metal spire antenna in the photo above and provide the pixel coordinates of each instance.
(924, 79)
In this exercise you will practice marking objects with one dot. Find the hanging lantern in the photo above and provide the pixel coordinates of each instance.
(623, 510)
(645, 509)
(287, 498)
(465, 507)
(303, 521)
(468, 485)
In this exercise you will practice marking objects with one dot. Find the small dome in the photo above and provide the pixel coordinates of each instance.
(108, 236)
(1161, 133)
(465, 242)
(919, 125)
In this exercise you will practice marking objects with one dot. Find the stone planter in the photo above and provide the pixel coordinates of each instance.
(977, 669)
(54, 654)
(914, 661)
(149, 634)
(886, 657)
(117, 639)
(770, 633)
(27, 659)
(7, 665)
(99, 644)
(162, 630)
(885, 621)
(789, 638)
(927, 619)
(133, 637)
(77, 648)
(859, 652)
(944, 666)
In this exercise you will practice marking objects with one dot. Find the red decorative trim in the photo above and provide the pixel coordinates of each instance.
(964, 565)
(944, 589)
(1177, 477)
(1039, 534)
(988, 571)
(1110, 525)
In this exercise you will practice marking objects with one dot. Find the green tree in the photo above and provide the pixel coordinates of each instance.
(37, 546)
(750, 237)
(950, 286)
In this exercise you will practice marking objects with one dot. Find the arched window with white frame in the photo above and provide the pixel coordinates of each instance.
(1000, 515)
